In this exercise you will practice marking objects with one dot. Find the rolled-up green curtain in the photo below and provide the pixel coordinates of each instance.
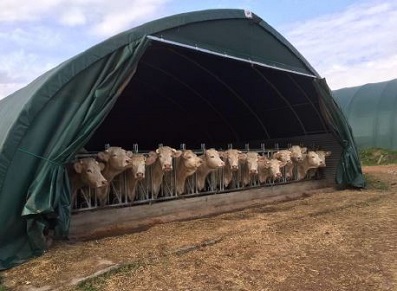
(71, 117)
(348, 172)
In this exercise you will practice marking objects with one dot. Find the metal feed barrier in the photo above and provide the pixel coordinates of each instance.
(86, 199)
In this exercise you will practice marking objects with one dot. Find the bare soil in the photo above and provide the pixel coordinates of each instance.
(339, 240)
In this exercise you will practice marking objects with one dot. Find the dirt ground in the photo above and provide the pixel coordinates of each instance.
(340, 240)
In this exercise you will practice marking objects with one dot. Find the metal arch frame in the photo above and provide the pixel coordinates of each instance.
(224, 55)
(283, 98)
(235, 134)
(231, 90)
(310, 101)
(253, 63)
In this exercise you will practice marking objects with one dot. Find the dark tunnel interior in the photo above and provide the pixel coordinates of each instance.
(179, 95)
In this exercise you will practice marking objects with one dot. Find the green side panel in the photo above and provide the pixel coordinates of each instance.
(349, 172)
(372, 113)
(35, 198)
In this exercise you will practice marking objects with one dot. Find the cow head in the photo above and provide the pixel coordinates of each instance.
(212, 158)
(165, 155)
(191, 160)
(283, 155)
(252, 159)
(313, 159)
(322, 155)
(297, 153)
(138, 164)
(90, 172)
(116, 157)
(232, 158)
(273, 166)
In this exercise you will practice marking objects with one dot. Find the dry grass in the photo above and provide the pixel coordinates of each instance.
(345, 240)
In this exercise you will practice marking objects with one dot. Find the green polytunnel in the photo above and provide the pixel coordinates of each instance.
(213, 76)
(371, 110)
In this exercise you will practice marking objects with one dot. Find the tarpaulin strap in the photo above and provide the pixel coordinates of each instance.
(37, 156)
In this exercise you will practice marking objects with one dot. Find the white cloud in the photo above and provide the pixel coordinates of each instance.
(103, 18)
(350, 48)
(121, 17)
(21, 10)
(37, 35)
(73, 17)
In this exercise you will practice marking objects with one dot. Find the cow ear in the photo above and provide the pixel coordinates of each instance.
(328, 153)
(276, 155)
(78, 166)
(151, 158)
(304, 150)
(222, 154)
(242, 157)
(282, 164)
(101, 166)
(157, 151)
(176, 153)
(104, 156)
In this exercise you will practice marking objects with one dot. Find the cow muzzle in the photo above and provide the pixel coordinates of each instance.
(167, 167)
(102, 183)
(139, 176)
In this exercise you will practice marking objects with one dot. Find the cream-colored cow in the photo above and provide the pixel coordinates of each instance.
(211, 162)
(249, 168)
(85, 172)
(116, 160)
(311, 160)
(269, 169)
(136, 172)
(232, 158)
(285, 156)
(322, 164)
(163, 164)
(185, 166)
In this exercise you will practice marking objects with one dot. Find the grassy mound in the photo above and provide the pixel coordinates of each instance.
(377, 156)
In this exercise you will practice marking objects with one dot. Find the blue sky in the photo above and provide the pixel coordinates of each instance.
(348, 42)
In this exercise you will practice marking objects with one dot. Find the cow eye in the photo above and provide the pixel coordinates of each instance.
(114, 155)
(212, 157)
(89, 171)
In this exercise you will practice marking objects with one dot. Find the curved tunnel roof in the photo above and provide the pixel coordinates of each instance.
(214, 77)
(372, 113)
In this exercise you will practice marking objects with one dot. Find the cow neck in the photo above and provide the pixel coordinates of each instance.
(182, 171)
(109, 173)
(157, 169)
(204, 169)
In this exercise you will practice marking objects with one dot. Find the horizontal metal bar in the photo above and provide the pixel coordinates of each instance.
(155, 38)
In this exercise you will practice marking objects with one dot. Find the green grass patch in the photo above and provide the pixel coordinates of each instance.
(97, 283)
(2, 287)
(376, 184)
(377, 156)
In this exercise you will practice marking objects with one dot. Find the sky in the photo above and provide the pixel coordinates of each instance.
(348, 42)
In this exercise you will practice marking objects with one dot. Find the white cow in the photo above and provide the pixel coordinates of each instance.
(311, 160)
(185, 166)
(163, 164)
(232, 160)
(249, 168)
(269, 169)
(116, 160)
(322, 155)
(136, 172)
(85, 172)
(211, 162)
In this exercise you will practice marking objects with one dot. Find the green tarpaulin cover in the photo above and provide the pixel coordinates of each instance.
(45, 123)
